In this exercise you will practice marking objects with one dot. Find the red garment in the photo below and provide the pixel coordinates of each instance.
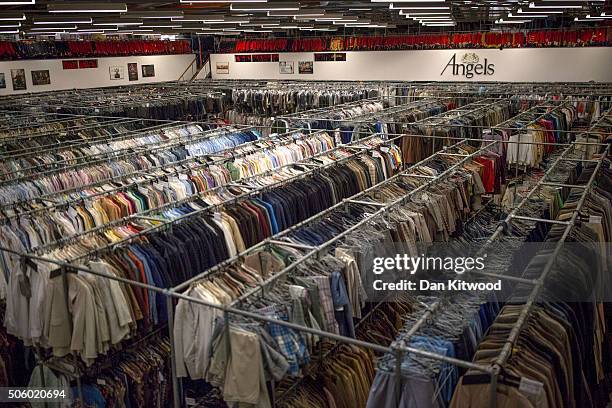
(488, 173)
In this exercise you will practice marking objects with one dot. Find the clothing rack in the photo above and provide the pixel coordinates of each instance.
(149, 173)
(72, 146)
(211, 208)
(326, 115)
(131, 152)
(93, 125)
(193, 163)
(26, 152)
(153, 177)
(146, 214)
(104, 139)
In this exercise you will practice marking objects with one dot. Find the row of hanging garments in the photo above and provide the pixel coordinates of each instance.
(97, 141)
(28, 188)
(561, 347)
(80, 215)
(133, 377)
(450, 127)
(277, 101)
(525, 149)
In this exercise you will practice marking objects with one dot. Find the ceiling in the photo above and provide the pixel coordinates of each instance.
(28, 18)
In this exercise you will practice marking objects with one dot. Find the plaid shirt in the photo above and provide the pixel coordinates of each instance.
(289, 343)
(327, 303)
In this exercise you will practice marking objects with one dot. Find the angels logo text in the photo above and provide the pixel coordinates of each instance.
(470, 65)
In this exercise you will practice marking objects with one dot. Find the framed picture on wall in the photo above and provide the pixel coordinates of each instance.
(116, 73)
(148, 71)
(133, 71)
(19, 79)
(305, 67)
(286, 67)
(41, 77)
(2, 81)
(222, 67)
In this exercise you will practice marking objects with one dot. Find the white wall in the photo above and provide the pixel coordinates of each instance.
(167, 68)
(512, 65)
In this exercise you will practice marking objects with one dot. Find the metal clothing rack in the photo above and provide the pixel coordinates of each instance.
(152, 173)
(134, 151)
(152, 177)
(87, 159)
(327, 115)
(163, 223)
(64, 144)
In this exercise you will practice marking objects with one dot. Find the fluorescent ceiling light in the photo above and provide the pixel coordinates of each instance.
(440, 25)
(203, 17)
(264, 6)
(9, 32)
(392, 5)
(401, 8)
(78, 7)
(16, 3)
(603, 16)
(318, 29)
(443, 13)
(364, 21)
(588, 20)
(524, 15)
(520, 11)
(304, 12)
(360, 9)
(45, 32)
(368, 26)
(119, 22)
(87, 32)
(12, 17)
(160, 26)
(502, 21)
(53, 28)
(16, 25)
(62, 20)
(568, 6)
(153, 14)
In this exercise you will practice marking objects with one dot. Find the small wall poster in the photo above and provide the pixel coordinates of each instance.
(19, 79)
(286, 67)
(305, 67)
(2, 81)
(222, 67)
(41, 77)
(133, 71)
(116, 73)
(88, 63)
(148, 71)
(70, 64)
